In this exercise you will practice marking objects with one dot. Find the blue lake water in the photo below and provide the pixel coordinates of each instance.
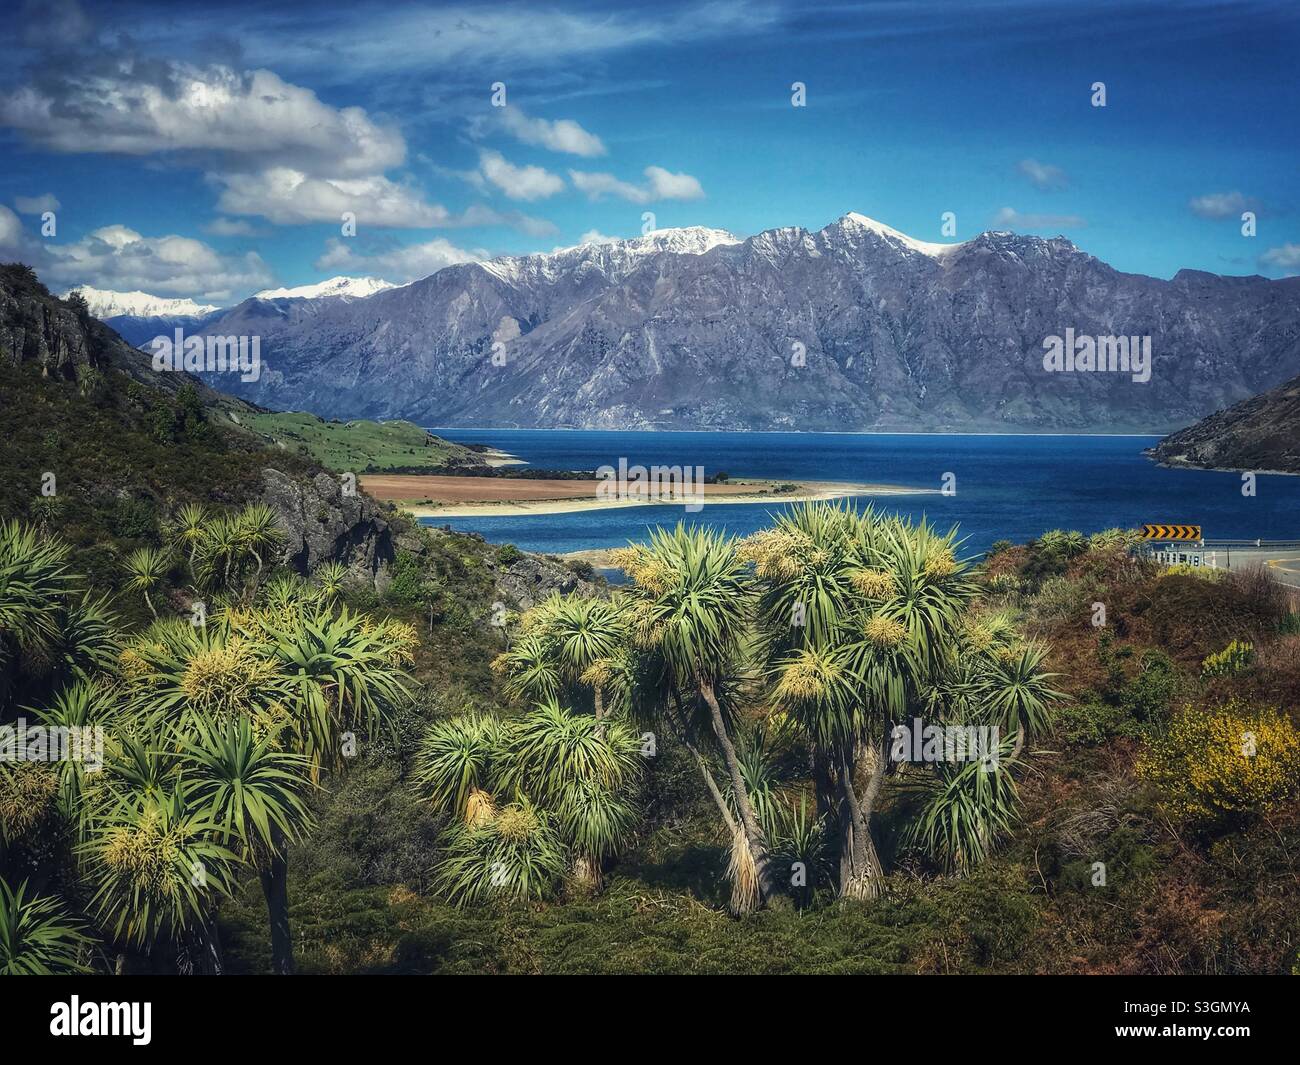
(1007, 487)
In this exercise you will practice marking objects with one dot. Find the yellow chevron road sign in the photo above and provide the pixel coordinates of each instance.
(1171, 532)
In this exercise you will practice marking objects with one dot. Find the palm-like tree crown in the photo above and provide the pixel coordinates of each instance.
(36, 938)
(691, 601)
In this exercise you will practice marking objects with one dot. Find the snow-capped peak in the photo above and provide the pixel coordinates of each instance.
(335, 286)
(107, 304)
(616, 257)
(688, 240)
(861, 221)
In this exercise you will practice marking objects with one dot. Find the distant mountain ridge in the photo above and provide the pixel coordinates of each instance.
(139, 317)
(1261, 433)
(334, 286)
(855, 326)
(104, 304)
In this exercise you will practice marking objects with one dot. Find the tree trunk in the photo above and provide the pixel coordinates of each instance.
(825, 791)
(586, 873)
(206, 952)
(718, 798)
(257, 577)
(149, 603)
(749, 822)
(861, 875)
(275, 886)
(600, 711)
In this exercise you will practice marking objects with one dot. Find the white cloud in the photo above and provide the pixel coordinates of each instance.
(273, 148)
(1014, 219)
(36, 204)
(1222, 205)
(660, 184)
(130, 106)
(665, 185)
(11, 228)
(598, 186)
(120, 259)
(1285, 257)
(1042, 175)
(519, 182)
(287, 196)
(231, 227)
(408, 263)
(462, 36)
(560, 135)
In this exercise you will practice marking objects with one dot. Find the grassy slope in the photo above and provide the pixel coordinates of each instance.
(359, 446)
(124, 455)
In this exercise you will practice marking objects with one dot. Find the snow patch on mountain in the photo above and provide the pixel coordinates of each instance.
(853, 220)
(614, 256)
(356, 287)
(107, 304)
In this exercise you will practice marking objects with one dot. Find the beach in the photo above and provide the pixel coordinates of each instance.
(440, 496)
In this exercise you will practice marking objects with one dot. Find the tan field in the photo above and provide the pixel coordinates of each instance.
(452, 497)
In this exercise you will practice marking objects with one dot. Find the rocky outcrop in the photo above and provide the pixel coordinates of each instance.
(325, 522)
(62, 338)
(528, 580)
(34, 327)
(1261, 433)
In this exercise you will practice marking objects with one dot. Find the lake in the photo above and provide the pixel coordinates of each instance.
(1007, 487)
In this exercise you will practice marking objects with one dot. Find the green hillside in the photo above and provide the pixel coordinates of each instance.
(361, 446)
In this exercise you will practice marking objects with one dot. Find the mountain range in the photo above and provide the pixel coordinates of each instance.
(852, 327)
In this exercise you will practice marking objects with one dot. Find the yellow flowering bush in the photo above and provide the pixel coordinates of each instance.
(1225, 762)
(27, 793)
(1233, 659)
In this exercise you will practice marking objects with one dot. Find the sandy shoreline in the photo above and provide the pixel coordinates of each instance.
(584, 501)
(497, 457)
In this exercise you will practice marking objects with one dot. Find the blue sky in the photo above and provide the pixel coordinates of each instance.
(208, 153)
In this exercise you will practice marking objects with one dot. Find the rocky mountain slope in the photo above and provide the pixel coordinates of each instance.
(66, 342)
(1261, 433)
(852, 327)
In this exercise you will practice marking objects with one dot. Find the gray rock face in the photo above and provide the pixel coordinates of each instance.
(695, 329)
(1261, 433)
(37, 328)
(529, 580)
(138, 330)
(324, 525)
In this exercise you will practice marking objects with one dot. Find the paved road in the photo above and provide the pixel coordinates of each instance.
(1283, 560)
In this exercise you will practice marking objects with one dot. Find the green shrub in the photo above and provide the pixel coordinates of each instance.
(508, 555)
(1060, 598)
(408, 584)
(1147, 696)
(581, 568)
(134, 518)
(1089, 723)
